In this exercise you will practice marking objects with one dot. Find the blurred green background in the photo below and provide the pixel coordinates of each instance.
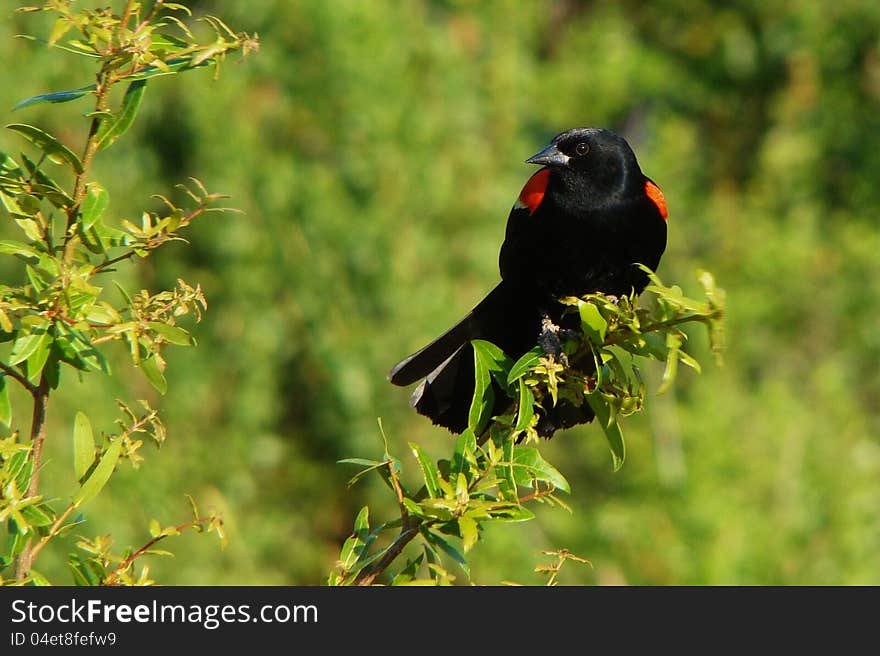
(375, 148)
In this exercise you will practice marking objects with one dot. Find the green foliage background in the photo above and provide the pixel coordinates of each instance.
(375, 148)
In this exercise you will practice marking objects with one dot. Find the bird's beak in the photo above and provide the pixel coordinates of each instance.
(550, 156)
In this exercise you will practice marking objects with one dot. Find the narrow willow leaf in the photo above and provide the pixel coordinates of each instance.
(495, 359)
(463, 456)
(25, 345)
(36, 516)
(100, 474)
(17, 248)
(37, 359)
(593, 323)
(429, 471)
(111, 130)
(5, 407)
(484, 396)
(83, 445)
(172, 334)
(528, 464)
(442, 542)
(53, 149)
(467, 527)
(407, 575)
(93, 205)
(56, 97)
(673, 346)
(355, 544)
(608, 422)
(526, 410)
(150, 367)
(522, 366)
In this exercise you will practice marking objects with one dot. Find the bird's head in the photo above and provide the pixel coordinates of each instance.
(593, 157)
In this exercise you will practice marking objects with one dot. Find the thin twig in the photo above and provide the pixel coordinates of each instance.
(53, 531)
(660, 325)
(125, 564)
(38, 436)
(408, 530)
(369, 573)
(13, 373)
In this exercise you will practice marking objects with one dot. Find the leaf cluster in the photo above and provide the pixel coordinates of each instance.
(497, 456)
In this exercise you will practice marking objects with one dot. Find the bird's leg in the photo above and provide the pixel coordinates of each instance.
(550, 339)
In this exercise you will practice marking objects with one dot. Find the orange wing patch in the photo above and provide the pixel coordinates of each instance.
(657, 197)
(533, 193)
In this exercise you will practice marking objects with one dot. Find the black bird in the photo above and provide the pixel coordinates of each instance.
(579, 226)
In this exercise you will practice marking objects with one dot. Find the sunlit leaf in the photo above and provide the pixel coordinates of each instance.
(114, 128)
(522, 366)
(93, 205)
(528, 464)
(150, 367)
(429, 470)
(100, 474)
(83, 445)
(53, 149)
(55, 97)
(5, 407)
(608, 421)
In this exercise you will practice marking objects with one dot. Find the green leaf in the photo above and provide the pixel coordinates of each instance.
(442, 542)
(484, 396)
(608, 421)
(522, 366)
(593, 323)
(408, 573)
(494, 358)
(526, 410)
(429, 471)
(93, 205)
(469, 531)
(463, 456)
(83, 445)
(5, 407)
(25, 345)
(111, 130)
(528, 464)
(673, 346)
(100, 474)
(150, 367)
(55, 97)
(172, 334)
(54, 149)
(511, 512)
(35, 516)
(21, 466)
(18, 248)
(37, 359)
(354, 546)
(45, 186)
(360, 461)
(504, 471)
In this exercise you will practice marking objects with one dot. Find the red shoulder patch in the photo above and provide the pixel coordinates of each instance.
(533, 193)
(657, 197)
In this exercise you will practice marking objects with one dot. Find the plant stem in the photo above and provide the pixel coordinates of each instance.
(79, 184)
(12, 373)
(369, 573)
(38, 436)
(660, 325)
(125, 564)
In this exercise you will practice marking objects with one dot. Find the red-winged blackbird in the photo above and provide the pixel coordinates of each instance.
(579, 226)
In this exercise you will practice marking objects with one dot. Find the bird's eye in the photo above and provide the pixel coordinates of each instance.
(582, 148)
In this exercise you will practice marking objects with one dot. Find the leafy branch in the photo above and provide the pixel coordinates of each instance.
(63, 318)
(496, 472)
